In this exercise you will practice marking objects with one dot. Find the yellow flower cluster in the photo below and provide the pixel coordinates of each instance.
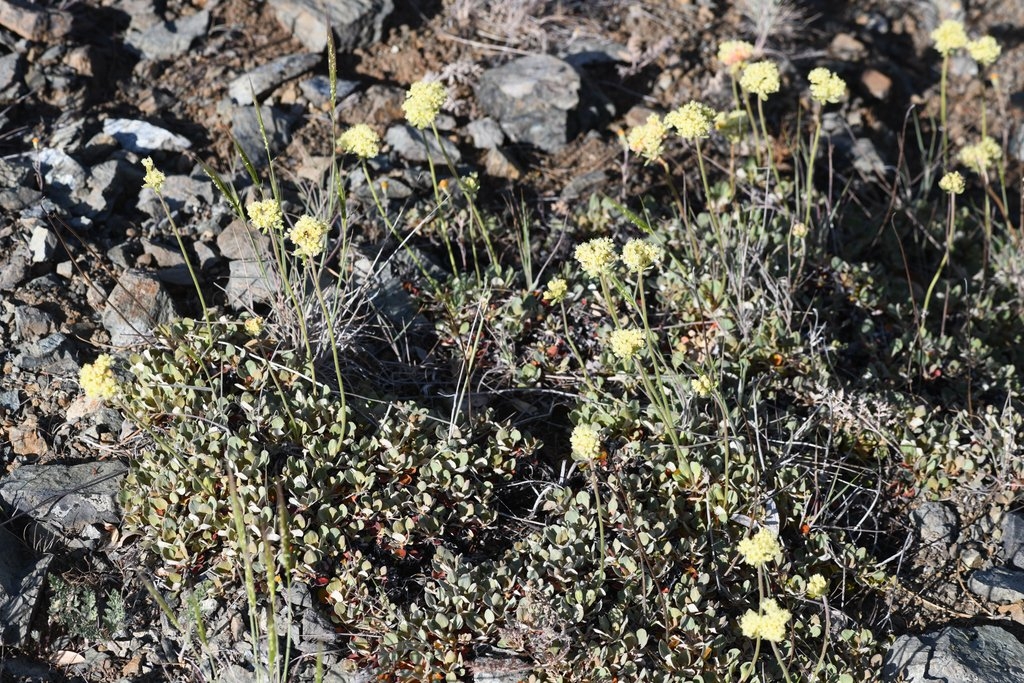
(265, 215)
(732, 125)
(646, 139)
(817, 586)
(254, 325)
(627, 343)
(953, 183)
(949, 36)
(703, 386)
(826, 87)
(97, 379)
(760, 548)
(154, 179)
(596, 256)
(799, 230)
(761, 79)
(693, 120)
(586, 442)
(423, 102)
(979, 156)
(556, 291)
(769, 624)
(639, 255)
(308, 236)
(733, 53)
(360, 140)
(984, 50)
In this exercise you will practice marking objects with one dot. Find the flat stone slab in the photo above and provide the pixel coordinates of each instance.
(998, 584)
(265, 78)
(969, 654)
(67, 497)
(22, 574)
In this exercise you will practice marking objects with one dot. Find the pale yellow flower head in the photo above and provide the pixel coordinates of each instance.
(254, 325)
(953, 183)
(760, 548)
(596, 256)
(799, 230)
(981, 155)
(817, 586)
(360, 140)
(97, 379)
(693, 120)
(732, 125)
(826, 87)
(769, 624)
(703, 386)
(556, 290)
(586, 442)
(949, 36)
(646, 139)
(984, 50)
(266, 215)
(423, 103)
(639, 255)
(761, 79)
(627, 343)
(154, 179)
(308, 236)
(734, 53)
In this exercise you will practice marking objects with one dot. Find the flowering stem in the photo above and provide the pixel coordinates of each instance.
(942, 109)
(942, 265)
(439, 203)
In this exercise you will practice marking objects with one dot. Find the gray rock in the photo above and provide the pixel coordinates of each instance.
(52, 355)
(169, 39)
(32, 323)
(22, 575)
(164, 255)
(15, 199)
(181, 193)
(866, 159)
(486, 133)
(43, 244)
(105, 186)
(1016, 148)
(356, 23)
(262, 80)
(246, 129)
(318, 89)
(144, 138)
(14, 268)
(532, 98)
(10, 400)
(240, 242)
(12, 72)
(998, 584)
(1013, 538)
(408, 142)
(135, 306)
(936, 523)
(64, 177)
(249, 283)
(968, 654)
(66, 497)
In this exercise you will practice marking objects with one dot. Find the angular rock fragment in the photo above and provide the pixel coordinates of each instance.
(356, 23)
(965, 654)
(136, 305)
(262, 80)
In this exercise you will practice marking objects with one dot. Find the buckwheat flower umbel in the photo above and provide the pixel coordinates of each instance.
(626, 343)
(97, 379)
(953, 183)
(984, 50)
(826, 87)
(360, 140)
(646, 139)
(949, 36)
(556, 291)
(732, 125)
(799, 230)
(153, 179)
(703, 386)
(761, 79)
(760, 548)
(596, 256)
(639, 255)
(423, 102)
(265, 215)
(586, 442)
(308, 236)
(979, 156)
(769, 624)
(254, 325)
(817, 586)
(733, 53)
(693, 120)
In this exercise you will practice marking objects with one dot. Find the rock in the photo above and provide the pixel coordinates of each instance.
(15, 199)
(105, 186)
(14, 268)
(318, 89)
(32, 323)
(1016, 147)
(43, 244)
(26, 439)
(12, 73)
(250, 283)
(67, 498)
(847, 48)
(51, 355)
(22, 575)
(165, 256)
(246, 129)
(240, 242)
(144, 138)
(876, 83)
(936, 523)
(10, 401)
(1013, 538)
(498, 164)
(34, 23)
(165, 40)
(866, 160)
(135, 306)
(408, 142)
(967, 654)
(356, 23)
(486, 133)
(532, 98)
(998, 584)
(262, 80)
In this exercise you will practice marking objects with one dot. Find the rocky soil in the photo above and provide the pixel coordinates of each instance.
(540, 92)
